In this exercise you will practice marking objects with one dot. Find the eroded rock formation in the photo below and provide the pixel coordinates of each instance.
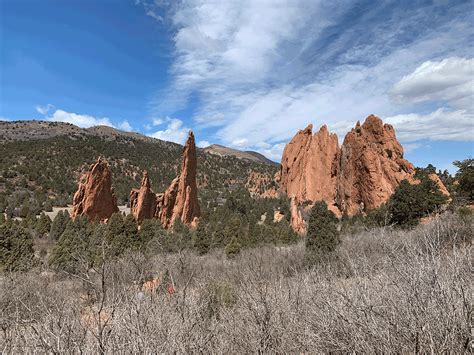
(310, 165)
(143, 201)
(356, 177)
(371, 166)
(94, 197)
(179, 201)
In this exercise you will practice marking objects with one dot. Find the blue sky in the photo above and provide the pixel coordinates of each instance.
(247, 74)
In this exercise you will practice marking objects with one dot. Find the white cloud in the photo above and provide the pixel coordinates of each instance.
(125, 126)
(175, 131)
(79, 120)
(4, 119)
(158, 121)
(438, 125)
(450, 80)
(44, 109)
(203, 144)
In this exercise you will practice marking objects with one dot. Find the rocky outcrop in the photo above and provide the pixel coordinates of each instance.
(179, 201)
(356, 177)
(296, 219)
(371, 166)
(261, 185)
(143, 201)
(310, 165)
(95, 196)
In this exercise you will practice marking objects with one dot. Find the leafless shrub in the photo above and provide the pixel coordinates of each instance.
(386, 291)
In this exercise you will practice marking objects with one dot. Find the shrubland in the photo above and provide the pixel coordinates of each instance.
(383, 290)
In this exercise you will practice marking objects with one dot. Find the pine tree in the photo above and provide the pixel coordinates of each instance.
(201, 239)
(59, 225)
(43, 225)
(16, 249)
(233, 248)
(322, 237)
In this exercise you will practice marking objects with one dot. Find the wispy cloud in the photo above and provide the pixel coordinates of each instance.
(261, 72)
(79, 120)
(44, 109)
(175, 131)
(125, 126)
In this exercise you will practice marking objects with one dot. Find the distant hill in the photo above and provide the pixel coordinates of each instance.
(43, 160)
(248, 155)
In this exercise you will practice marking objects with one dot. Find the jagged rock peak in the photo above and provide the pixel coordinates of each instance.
(356, 177)
(94, 197)
(179, 201)
(143, 200)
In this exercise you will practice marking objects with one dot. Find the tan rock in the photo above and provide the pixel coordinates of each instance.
(95, 197)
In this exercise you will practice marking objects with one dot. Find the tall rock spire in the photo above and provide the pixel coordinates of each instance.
(180, 200)
(143, 200)
(95, 197)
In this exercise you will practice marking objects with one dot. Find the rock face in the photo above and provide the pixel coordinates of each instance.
(310, 165)
(95, 197)
(371, 166)
(143, 201)
(356, 177)
(179, 201)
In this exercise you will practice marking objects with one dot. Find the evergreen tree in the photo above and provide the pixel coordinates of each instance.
(411, 202)
(16, 249)
(43, 225)
(465, 178)
(201, 239)
(322, 237)
(233, 248)
(59, 225)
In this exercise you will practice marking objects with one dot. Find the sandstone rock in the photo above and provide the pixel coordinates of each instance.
(261, 185)
(357, 177)
(297, 222)
(371, 167)
(310, 165)
(95, 197)
(278, 216)
(143, 201)
(180, 200)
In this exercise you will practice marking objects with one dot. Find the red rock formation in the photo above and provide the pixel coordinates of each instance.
(261, 185)
(180, 200)
(95, 197)
(371, 167)
(143, 200)
(310, 165)
(359, 176)
(296, 221)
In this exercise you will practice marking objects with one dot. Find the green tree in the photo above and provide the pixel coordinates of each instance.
(411, 202)
(201, 239)
(43, 225)
(233, 248)
(59, 225)
(323, 236)
(16, 249)
(465, 179)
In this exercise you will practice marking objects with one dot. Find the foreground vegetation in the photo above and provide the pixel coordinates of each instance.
(382, 290)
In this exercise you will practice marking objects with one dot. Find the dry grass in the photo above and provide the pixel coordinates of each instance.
(386, 291)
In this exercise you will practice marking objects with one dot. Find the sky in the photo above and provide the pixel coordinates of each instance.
(247, 74)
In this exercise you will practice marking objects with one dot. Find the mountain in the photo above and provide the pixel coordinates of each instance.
(248, 155)
(44, 160)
